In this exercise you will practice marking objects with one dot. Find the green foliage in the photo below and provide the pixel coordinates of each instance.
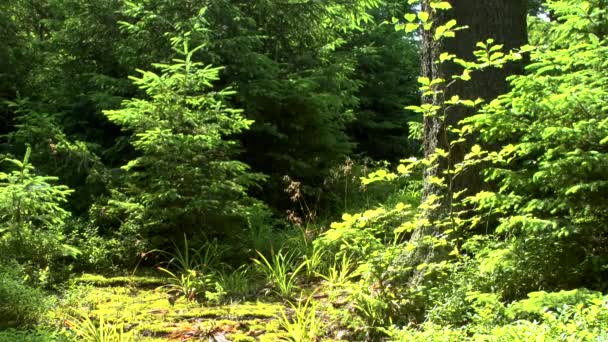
(374, 310)
(362, 234)
(32, 199)
(291, 65)
(462, 296)
(191, 271)
(237, 284)
(102, 331)
(20, 302)
(305, 325)
(551, 130)
(103, 253)
(36, 335)
(363, 247)
(340, 272)
(430, 332)
(315, 261)
(541, 226)
(321, 79)
(387, 65)
(31, 218)
(579, 317)
(183, 180)
(281, 271)
(539, 303)
(56, 153)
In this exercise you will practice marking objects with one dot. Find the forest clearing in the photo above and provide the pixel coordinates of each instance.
(294, 170)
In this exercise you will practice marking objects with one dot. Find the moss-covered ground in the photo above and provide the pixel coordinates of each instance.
(146, 312)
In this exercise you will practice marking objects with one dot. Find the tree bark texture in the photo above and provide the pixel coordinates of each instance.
(505, 22)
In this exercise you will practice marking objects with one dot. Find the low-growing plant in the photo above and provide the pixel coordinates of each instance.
(204, 259)
(577, 315)
(297, 239)
(236, 284)
(315, 262)
(304, 325)
(20, 303)
(340, 272)
(193, 272)
(88, 330)
(191, 285)
(35, 335)
(428, 332)
(374, 311)
(280, 271)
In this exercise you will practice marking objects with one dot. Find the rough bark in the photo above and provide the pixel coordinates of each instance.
(505, 22)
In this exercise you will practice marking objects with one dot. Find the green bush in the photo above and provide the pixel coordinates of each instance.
(104, 253)
(548, 211)
(32, 220)
(578, 315)
(539, 303)
(37, 335)
(20, 303)
(185, 178)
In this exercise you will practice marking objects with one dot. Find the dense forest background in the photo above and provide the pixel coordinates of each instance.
(432, 170)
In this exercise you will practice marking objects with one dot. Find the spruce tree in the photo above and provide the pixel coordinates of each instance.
(185, 179)
(31, 215)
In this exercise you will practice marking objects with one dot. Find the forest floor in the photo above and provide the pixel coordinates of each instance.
(148, 314)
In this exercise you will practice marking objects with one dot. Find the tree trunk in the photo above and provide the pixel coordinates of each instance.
(505, 22)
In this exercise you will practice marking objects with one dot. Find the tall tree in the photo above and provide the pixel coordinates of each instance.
(184, 180)
(505, 22)
(387, 65)
(291, 69)
(502, 20)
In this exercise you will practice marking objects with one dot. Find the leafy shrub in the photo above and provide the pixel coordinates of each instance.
(103, 253)
(361, 234)
(428, 332)
(561, 320)
(548, 211)
(36, 335)
(462, 296)
(31, 218)
(539, 303)
(20, 303)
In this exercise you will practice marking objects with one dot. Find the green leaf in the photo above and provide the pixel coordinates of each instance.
(439, 32)
(411, 27)
(466, 76)
(445, 56)
(410, 17)
(402, 169)
(423, 16)
(442, 5)
(424, 80)
(450, 24)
